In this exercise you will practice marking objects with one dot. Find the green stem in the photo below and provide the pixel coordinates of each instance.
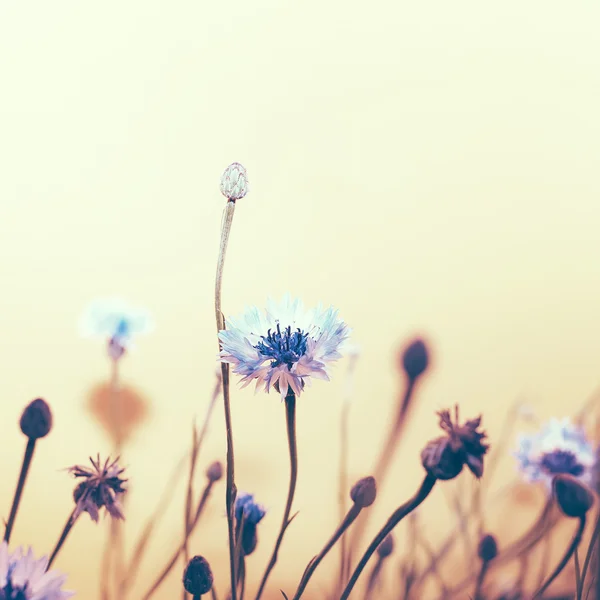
(27, 457)
(395, 518)
(290, 405)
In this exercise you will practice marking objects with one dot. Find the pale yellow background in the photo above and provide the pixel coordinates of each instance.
(427, 167)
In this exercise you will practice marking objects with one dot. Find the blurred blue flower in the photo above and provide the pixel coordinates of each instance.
(245, 506)
(559, 447)
(248, 512)
(116, 321)
(285, 346)
(24, 577)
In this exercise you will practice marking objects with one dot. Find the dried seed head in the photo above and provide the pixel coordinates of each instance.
(386, 547)
(197, 577)
(415, 359)
(364, 492)
(100, 486)
(487, 548)
(215, 471)
(444, 457)
(234, 182)
(573, 497)
(36, 420)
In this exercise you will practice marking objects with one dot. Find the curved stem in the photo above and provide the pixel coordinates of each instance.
(588, 556)
(230, 490)
(29, 450)
(290, 405)
(373, 577)
(565, 559)
(314, 563)
(396, 517)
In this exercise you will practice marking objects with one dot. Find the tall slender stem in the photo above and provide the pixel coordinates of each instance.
(314, 563)
(343, 482)
(63, 536)
(395, 518)
(290, 412)
(29, 450)
(230, 490)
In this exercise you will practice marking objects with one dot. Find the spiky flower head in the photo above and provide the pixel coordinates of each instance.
(461, 445)
(284, 347)
(100, 486)
(234, 182)
(117, 322)
(559, 447)
(23, 577)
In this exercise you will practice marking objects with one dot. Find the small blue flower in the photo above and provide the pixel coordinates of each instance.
(284, 347)
(116, 321)
(560, 447)
(245, 506)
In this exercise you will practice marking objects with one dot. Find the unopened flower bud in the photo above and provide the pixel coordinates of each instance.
(215, 471)
(415, 359)
(249, 539)
(234, 182)
(36, 420)
(487, 548)
(197, 577)
(573, 497)
(364, 492)
(386, 547)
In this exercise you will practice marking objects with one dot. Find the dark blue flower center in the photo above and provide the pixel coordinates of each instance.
(284, 347)
(562, 461)
(8, 592)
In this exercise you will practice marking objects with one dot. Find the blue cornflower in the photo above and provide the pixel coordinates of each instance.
(117, 322)
(560, 447)
(250, 514)
(284, 347)
(23, 577)
(245, 506)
